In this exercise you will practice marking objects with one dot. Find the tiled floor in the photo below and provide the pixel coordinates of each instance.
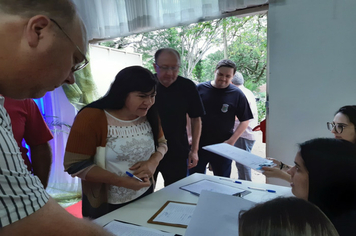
(258, 149)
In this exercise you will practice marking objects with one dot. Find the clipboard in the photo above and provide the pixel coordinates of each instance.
(212, 186)
(134, 225)
(151, 220)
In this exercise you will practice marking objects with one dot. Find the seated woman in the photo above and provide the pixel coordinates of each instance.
(284, 217)
(118, 133)
(324, 174)
(343, 127)
(344, 124)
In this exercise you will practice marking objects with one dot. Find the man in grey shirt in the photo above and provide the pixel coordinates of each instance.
(247, 138)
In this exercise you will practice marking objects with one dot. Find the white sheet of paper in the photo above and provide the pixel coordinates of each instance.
(199, 186)
(217, 214)
(239, 155)
(123, 229)
(176, 213)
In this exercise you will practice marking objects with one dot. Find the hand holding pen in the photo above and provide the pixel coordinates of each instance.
(135, 183)
(133, 176)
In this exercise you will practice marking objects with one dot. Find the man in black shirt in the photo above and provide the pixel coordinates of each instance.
(176, 97)
(222, 102)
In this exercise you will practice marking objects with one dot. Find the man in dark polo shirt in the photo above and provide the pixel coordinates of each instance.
(176, 97)
(222, 102)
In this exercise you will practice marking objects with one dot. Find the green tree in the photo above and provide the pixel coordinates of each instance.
(247, 48)
(243, 39)
(150, 42)
(198, 71)
(190, 41)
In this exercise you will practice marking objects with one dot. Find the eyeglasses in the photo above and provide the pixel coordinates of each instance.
(167, 68)
(80, 65)
(337, 127)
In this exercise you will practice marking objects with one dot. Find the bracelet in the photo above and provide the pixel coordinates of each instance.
(281, 166)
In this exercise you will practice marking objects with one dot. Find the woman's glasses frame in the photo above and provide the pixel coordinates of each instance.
(339, 128)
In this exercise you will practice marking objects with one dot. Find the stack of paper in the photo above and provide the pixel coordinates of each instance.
(217, 214)
(208, 185)
(239, 155)
(177, 214)
(126, 229)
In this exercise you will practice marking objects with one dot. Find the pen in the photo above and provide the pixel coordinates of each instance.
(133, 176)
(230, 180)
(262, 189)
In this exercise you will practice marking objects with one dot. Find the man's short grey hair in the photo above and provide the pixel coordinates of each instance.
(238, 79)
(170, 50)
(63, 11)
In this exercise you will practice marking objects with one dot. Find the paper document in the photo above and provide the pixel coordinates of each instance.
(125, 229)
(174, 214)
(208, 185)
(241, 156)
(217, 214)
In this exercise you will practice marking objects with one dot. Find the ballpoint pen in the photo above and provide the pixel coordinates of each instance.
(262, 189)
(230, 180)
(134, 176)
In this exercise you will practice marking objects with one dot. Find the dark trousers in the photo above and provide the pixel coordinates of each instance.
(173, 167)
(221, 165)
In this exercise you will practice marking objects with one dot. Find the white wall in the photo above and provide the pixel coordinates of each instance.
(107, 62)
(312, 70)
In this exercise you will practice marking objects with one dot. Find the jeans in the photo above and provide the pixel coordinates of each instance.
(221, 165)
(243, 171)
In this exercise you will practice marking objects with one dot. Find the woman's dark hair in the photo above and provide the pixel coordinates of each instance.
(331, 165)
(350, 112)
(131, 79)
(285, 217)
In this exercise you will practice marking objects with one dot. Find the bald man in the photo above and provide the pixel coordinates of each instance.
(177, 97)
(41, 44)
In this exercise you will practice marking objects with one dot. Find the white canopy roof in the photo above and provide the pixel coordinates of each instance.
(108, 19)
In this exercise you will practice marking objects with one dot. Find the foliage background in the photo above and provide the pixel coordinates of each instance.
(202, 45)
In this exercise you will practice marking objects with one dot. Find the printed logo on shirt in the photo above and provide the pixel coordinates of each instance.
(225, 108)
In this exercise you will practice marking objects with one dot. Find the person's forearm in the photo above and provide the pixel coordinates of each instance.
(155, 158)
(286, 176)
(99, 175)
(239, 130)
(274, 172)
(41, 158)
(196, 131)
(162, 149)
(52, 219)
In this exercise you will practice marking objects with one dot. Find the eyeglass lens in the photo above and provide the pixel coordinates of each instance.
(166, 68)
(338, 128)
(80, 66)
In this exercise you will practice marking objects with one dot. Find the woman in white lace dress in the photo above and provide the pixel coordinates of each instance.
(119, 133)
